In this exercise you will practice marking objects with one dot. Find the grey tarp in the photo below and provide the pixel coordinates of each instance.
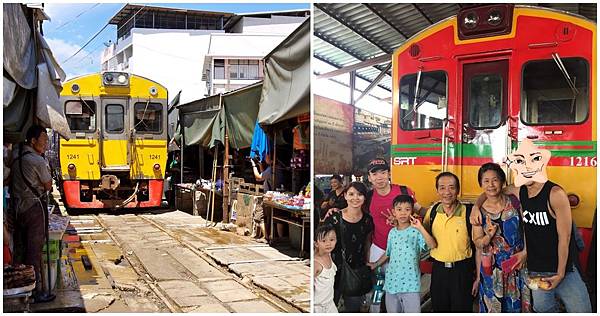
(197, 120)
(286, 88)
(241, 110)
(21, 63)
(173, 129)
(19, 56)
(204, 121)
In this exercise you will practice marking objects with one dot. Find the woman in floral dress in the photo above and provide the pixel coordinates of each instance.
(502, 288)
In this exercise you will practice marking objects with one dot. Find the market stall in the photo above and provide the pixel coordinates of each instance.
(283, 111)
(215, 132)
(292, 210)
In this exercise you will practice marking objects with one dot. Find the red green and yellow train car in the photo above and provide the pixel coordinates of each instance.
(467, 89)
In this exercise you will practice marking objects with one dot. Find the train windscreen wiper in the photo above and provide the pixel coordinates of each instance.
(565, 73)
(417, 88)
(570, 81)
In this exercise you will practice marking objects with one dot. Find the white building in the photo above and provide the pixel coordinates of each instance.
(173, 46)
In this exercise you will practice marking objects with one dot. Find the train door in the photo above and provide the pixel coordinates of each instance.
(115, 149)
(484, 126)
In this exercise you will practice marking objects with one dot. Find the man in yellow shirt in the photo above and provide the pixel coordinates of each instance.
(453, 278)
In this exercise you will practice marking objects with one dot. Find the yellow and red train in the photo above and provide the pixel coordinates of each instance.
(117, 155)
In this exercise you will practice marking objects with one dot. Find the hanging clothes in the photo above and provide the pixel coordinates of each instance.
(261, 144)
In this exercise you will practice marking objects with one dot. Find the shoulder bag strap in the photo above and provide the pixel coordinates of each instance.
(342, 228)
(29, 185)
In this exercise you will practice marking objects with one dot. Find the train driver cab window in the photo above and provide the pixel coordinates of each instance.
(555, 91)
(485, 101)
(81, 115)
(115, 118)
(148, 117)
(429, 109)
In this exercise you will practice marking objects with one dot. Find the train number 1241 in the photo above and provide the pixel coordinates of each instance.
(72, 156)
(583, 161)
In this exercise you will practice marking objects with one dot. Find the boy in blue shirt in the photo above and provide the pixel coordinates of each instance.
(405, 242)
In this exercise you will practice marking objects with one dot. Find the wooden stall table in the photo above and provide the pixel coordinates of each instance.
(291, 215)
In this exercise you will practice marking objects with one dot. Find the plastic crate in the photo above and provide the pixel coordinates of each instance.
(54, 250)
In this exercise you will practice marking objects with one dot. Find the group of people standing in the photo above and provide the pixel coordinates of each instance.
(494, 252)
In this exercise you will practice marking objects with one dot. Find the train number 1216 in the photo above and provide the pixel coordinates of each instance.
(583, 161)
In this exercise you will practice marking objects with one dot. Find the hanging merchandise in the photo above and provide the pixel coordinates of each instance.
(301, 137)
(261, 144)
(300, 160)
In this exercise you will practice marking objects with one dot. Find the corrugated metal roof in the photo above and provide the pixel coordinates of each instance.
(130, 9)
(348, 33)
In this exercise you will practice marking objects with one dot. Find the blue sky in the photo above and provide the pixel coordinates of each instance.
(73, 24)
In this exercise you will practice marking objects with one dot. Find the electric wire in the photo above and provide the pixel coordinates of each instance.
(75, 18)
(98, 33)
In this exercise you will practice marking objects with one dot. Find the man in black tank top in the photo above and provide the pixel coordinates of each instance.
(550, 248)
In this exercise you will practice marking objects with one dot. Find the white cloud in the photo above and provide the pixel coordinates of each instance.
(77, 65)
(62, 49)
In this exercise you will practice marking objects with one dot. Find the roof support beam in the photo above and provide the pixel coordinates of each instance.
(375, 82)
(348, 86)
(372, 9)
(363, 64)
(348, 51)
(352, 28)
(325, 60)
(352, 87)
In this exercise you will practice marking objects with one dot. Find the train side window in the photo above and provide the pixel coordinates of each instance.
(485, 103)
(81, 115)
(148, 117)
(115, 118)
(547, 96)
(431, 104)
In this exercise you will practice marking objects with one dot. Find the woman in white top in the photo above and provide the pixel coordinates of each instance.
(325, 269)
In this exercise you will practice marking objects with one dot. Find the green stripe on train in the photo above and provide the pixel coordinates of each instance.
(474, 151)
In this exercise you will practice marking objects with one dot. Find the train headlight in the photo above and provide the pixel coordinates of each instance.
(122, 79)
(494, 17)
(484, 20)
(115, 79)
(156, 167)
(71, 167)
(573, 200)
(470, 21)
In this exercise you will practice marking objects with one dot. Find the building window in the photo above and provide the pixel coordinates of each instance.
(243, 69)
(219, 69)
(253, 69)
